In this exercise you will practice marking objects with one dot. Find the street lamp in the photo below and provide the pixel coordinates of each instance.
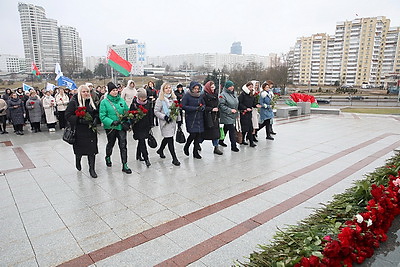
(219, 76)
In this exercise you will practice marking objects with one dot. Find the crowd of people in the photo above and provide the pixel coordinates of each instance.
(207, 114)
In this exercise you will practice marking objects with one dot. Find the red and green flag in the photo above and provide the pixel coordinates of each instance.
(118, 63)
(35, 70)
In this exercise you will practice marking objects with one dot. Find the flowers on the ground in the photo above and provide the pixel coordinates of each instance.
(345, 231)
(174, 109)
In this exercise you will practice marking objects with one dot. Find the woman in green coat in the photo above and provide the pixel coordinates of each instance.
(112, 107)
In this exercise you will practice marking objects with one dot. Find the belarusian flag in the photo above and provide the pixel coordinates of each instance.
(118, 63)
(35, 70)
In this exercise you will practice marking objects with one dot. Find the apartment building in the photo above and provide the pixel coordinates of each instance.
(362, 51)
(70, 48)
(134, 52)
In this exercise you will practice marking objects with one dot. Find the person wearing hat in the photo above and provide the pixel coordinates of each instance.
(112, 107)
(228, 106)
(85, 134)
(141, 127)
(93, 94)
(179, 92)
(193, 104)
(129, 93)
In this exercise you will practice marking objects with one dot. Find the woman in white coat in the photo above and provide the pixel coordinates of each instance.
(167, 125)
(129, 93)
(62, 101)
(49, 105)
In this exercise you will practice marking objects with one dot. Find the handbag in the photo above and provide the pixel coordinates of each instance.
(69, 135)
(239, 137)
(180, 136)
(151, 140)
(221, 133)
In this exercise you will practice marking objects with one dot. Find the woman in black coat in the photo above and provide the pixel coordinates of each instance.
(141, 127)
(194, 107)
(246, 104)
(211, 116)
(86, 134)
(179, 92)
(16, 109)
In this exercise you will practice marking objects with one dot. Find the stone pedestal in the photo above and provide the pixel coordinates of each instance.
(305, 107)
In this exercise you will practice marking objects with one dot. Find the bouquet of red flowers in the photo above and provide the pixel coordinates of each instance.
(32, 103)
(134, 115)
(81, 113)
(174, 110)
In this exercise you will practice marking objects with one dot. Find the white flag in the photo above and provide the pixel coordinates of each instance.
(50, 87)
(58, 71)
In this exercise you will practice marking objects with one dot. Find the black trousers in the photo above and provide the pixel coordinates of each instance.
(170, 142)
(232, 133)
(61, 119)
(35, 125)
(112, 136)
(196, 137)
(141, 149)
(3, 123)
(267, 124)
(249, 135)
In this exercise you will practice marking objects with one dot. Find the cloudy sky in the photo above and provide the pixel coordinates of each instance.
(193, 26)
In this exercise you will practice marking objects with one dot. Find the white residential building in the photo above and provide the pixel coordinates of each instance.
(12, 64)
(92, 62)
(134, 52)
(70, 48)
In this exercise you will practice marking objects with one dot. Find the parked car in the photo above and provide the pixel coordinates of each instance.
(323, 101)
(355, 97)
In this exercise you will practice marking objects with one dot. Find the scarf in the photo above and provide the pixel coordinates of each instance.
(194, 94)
(165, 106)
(141, 102)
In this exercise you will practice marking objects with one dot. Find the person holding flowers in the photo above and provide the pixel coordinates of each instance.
(49, 105)
(82, 114)
(141, 124)
(62, 101)
(228, 105)
(194, 106)
(35, 109)
(112, 110)
(211, 116)
(167, 111)
(247, 102)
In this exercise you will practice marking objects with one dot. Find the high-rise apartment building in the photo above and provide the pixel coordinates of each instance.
(92, 62)
(12, 64)
(362, 51)
(70, 48)
(134, 52)
(236, 48)
(44, 42)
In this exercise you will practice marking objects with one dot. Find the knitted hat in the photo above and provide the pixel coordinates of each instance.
(193, 84)
(228, 84)
(110, 86)
(141, 93)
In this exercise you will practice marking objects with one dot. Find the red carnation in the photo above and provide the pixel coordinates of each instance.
(176, 101)
(32, 103)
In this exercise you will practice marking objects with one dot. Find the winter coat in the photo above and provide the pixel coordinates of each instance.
(141, 127)
(62, 101)
(167, 129)
(35, 109)
(228, 101)
(3, 107)
(194, 114)
(49, 104)
(266, 111)
(86, 138)
(128, 94)
(211, 118)
(107, 111)
(16, 110)
(246, 101)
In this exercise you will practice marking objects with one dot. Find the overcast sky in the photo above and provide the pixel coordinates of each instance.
(192, 26)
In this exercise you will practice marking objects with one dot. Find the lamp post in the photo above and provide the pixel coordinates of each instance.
(219, 76)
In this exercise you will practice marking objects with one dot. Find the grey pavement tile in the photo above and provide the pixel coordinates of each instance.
(54, 241)
(89, 229)
(160, 217)
(78, 216)
(16, 252)
(198, 263)
(274, 196)
(120, 217)
(44, 225)
(97, 199)
(237, 213)
(131, 228)
(98, 241)
(132, 200)
(28, 263)
(108, 207)
(185, 208)
(144, 254)
(214, 224)
(188, 236)
(68, 206)
(147, 207)
(14, 232)
(59, 255)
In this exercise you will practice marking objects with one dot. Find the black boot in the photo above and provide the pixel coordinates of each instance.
(108, 161)
(171, 149)
(126, 169)
(196, 154)
(91, 160)
(147, 162)
(161, 153)
(78, 162)
(217, 151)
(138, 155)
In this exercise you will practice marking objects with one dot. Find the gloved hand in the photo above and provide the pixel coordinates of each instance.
(115, 123)
(1, 110)
(167, 119)
(179, 123)
(83, 121)
(200, 108)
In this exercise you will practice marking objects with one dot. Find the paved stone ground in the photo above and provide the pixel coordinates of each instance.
(208, 212)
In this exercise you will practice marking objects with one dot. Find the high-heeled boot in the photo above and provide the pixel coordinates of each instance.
(78, 162)
(91, 160)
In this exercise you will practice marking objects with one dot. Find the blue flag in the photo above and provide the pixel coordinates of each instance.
(67, 82)
(26, 87)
